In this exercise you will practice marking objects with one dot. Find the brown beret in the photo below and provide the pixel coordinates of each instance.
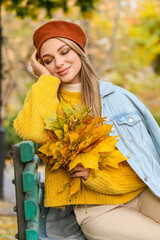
(62, 29)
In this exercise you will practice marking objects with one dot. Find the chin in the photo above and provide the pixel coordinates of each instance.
(66, 80)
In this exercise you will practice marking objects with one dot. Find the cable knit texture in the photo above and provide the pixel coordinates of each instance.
(39, 102)
(111, 186)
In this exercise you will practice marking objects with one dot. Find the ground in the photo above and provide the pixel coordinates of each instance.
(8, 221)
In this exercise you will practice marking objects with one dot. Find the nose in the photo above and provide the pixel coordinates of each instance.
(59, 62)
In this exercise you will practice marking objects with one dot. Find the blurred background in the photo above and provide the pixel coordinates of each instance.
(123, 46)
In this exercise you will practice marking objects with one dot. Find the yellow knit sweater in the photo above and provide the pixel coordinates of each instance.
(111, 186)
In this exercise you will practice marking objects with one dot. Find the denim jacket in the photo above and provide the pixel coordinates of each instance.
(139, 133)
(139, 141)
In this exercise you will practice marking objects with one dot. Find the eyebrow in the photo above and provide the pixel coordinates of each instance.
(45, 55)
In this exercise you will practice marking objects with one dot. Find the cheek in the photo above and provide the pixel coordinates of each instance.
(73, 57)
(77, 62)
(79, 65)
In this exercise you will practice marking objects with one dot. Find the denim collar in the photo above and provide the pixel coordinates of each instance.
(105, 88)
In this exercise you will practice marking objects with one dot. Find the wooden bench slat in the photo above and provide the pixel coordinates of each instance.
(29, 174)
(32, 229)
(31, 204)
(27, 150)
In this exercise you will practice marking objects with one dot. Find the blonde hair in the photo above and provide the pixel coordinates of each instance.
(89, 79)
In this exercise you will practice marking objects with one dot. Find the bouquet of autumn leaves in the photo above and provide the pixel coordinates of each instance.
(73, 135)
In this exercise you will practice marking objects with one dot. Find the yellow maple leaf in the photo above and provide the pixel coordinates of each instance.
(45, 149)
(112, 158)
(88, 161)
(75, 186)
(54, 147)
(107, 145)
(65, 128)
(73, 138)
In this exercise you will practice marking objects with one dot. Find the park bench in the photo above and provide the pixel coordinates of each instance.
(29, 189)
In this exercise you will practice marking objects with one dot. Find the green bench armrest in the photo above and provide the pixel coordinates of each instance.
(28, 190)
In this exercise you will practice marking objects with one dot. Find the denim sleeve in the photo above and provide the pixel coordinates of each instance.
(153, 129)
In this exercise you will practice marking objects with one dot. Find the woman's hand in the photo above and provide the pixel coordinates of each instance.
(80, 172)
(38, 68)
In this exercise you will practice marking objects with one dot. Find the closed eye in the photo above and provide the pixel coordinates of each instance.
(48, 61)
(65, 51)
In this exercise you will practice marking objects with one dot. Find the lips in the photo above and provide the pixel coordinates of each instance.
(63, 71)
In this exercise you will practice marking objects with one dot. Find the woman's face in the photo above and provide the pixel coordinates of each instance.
(61, 61)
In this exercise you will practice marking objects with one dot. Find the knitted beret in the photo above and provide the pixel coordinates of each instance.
(62, 29)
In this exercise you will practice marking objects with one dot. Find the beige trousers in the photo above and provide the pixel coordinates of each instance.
(138, 219)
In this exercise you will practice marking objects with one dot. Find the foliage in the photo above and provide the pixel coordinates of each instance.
(79, 138)
(125, 44)
(157, 118)
(122, 45)
(30, 8)
(11, 136)
(145, 34)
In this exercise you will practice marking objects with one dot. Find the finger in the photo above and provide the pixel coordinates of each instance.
(76, 169)
(77, 174)
(78, 166)
(33, 57)
(82, 174)
(34, 53)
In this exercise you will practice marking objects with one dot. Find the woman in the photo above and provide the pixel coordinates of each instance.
(123, 202)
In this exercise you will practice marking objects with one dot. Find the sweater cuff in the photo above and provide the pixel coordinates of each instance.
(49, 79)
(89, 180)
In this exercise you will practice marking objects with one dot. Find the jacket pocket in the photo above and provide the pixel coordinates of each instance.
(129, 126)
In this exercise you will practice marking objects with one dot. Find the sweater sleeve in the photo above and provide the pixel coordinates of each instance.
(114, 181)
(40, 100)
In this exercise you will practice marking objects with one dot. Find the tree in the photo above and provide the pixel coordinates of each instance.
(115, 35)
(30, 8)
